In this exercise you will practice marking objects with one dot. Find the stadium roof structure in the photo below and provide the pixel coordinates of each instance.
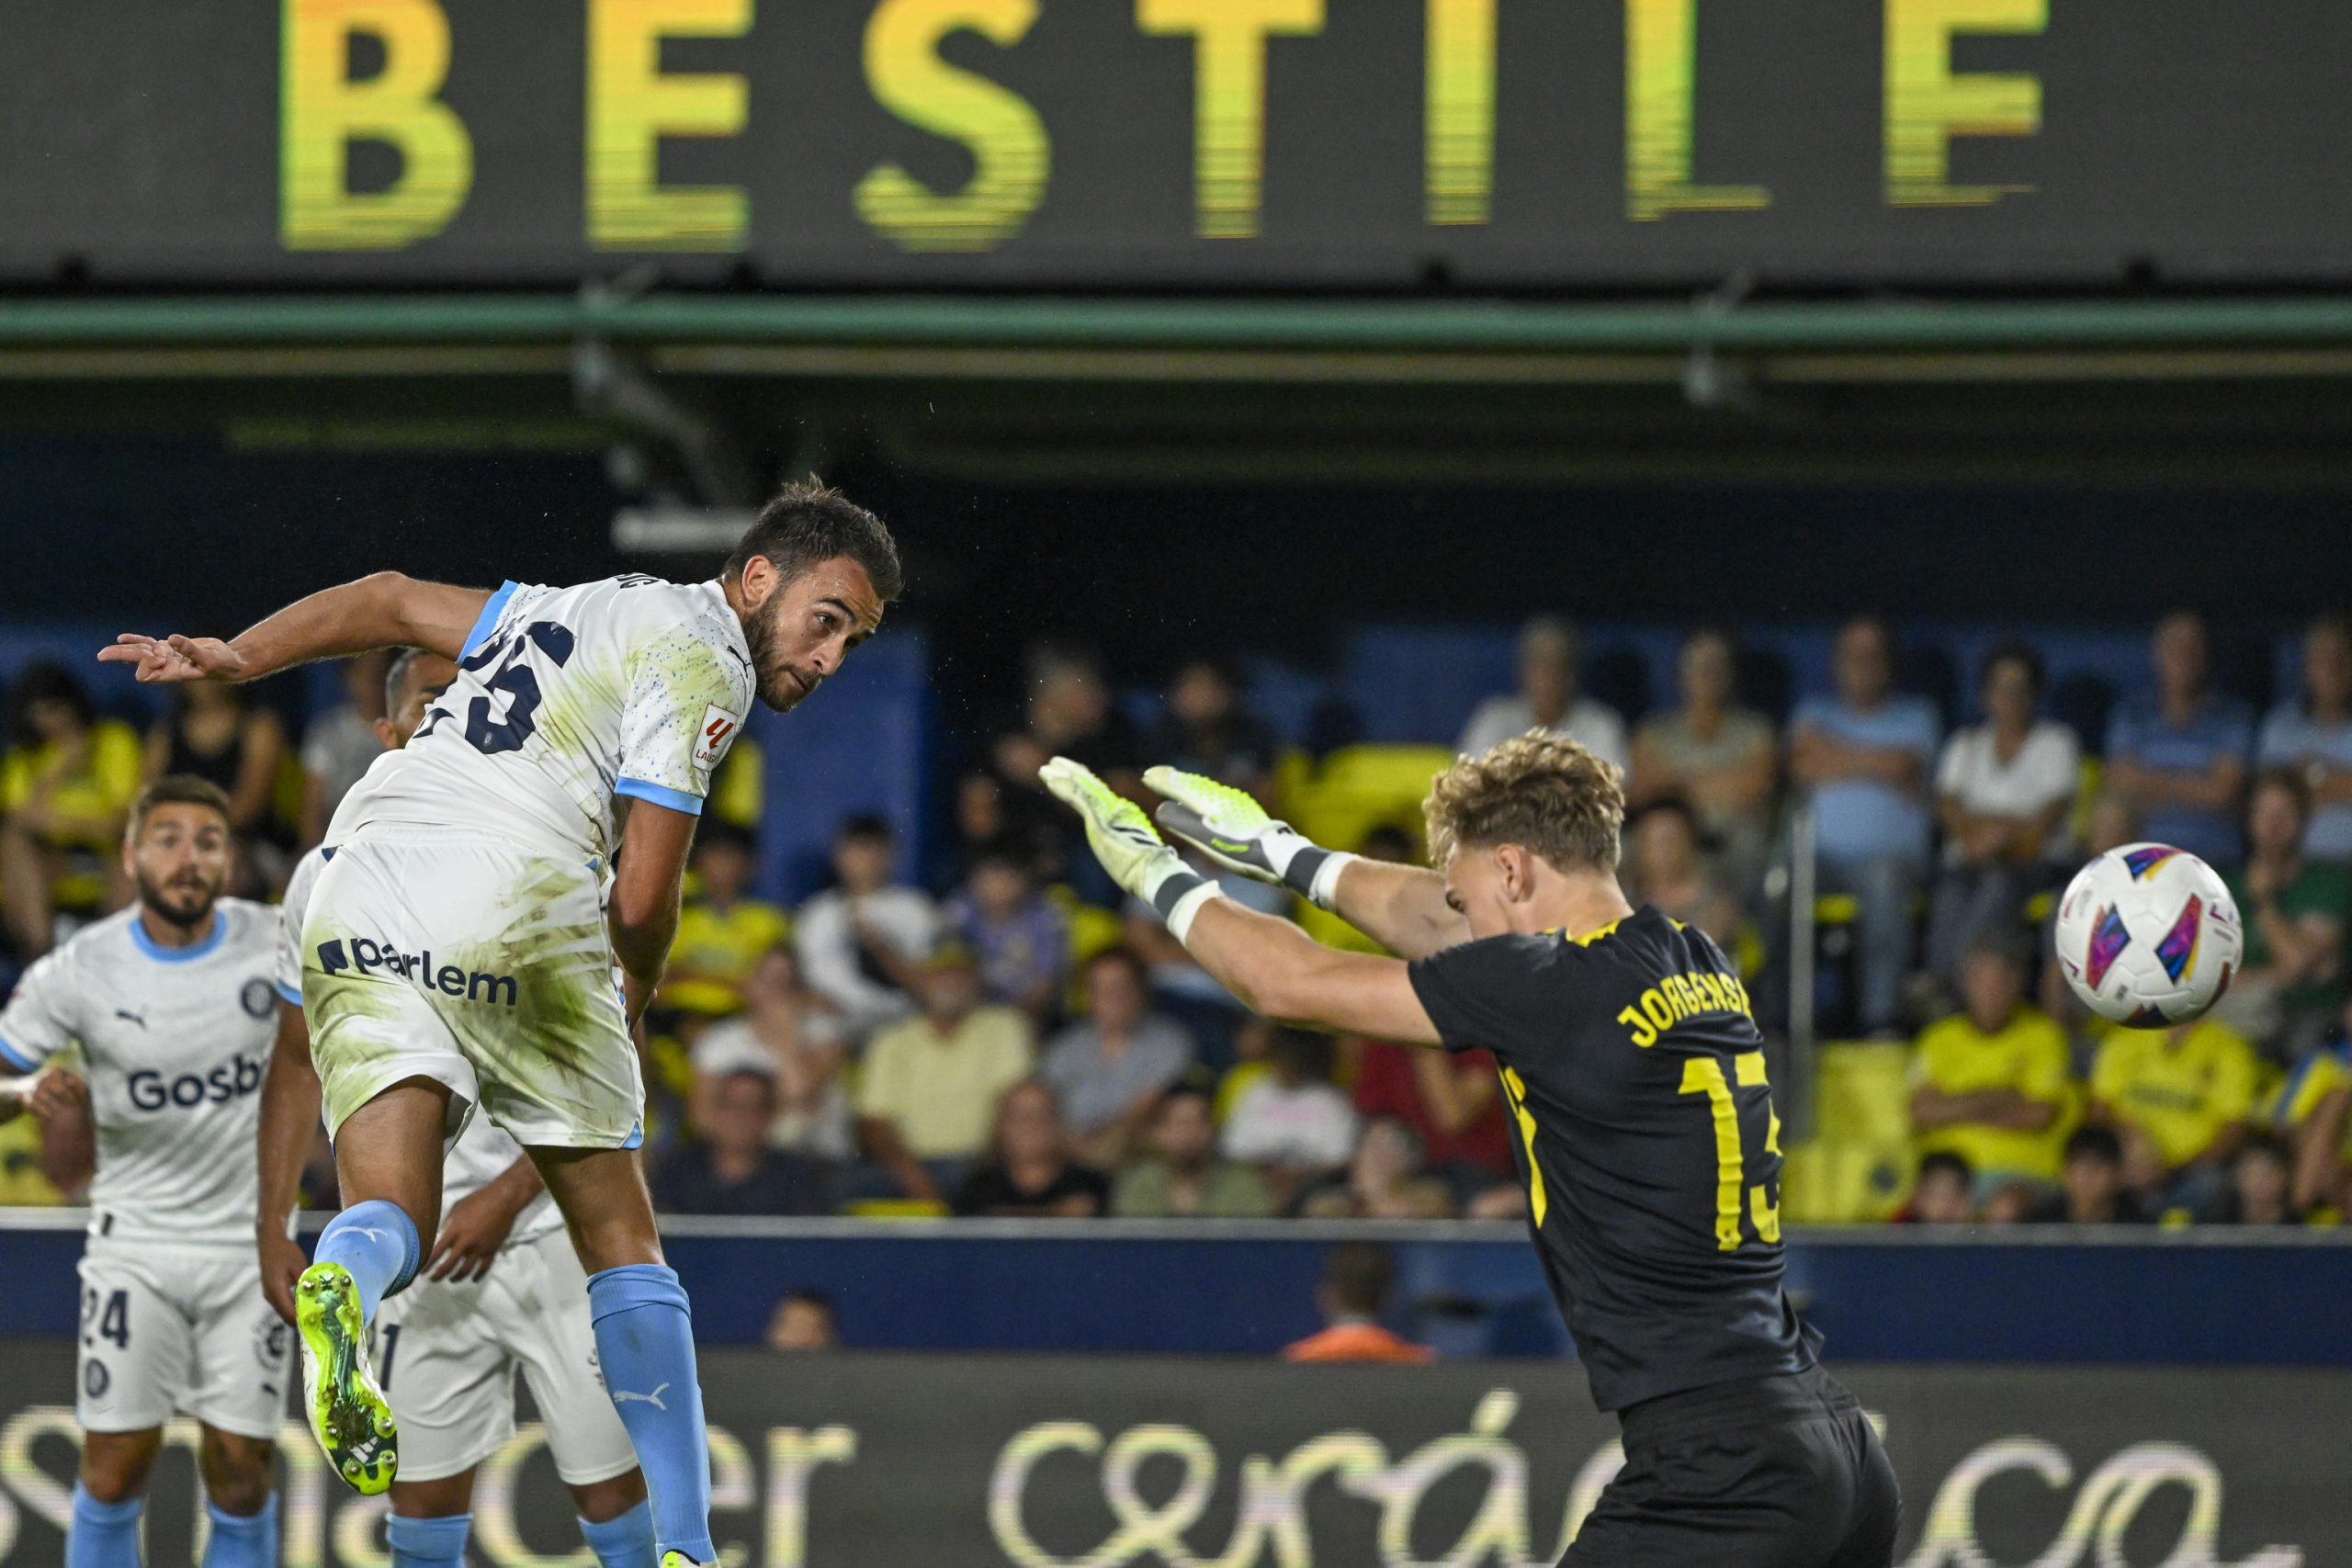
(2161, 389)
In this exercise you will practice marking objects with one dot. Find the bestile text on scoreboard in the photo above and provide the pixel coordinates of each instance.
(1254, 143)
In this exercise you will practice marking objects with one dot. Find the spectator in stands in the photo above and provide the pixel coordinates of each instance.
(1183, 1178)
(1292, 1124)
(1943, 1193)
(2111, 825)
(2179, 1099)
(1108, 1069)
(1385, 1180)
(2290, 988)
(1666, 865)
(2180, 759)
(1991, 1083)
(214, 734)
(2261, 1184)
(1452, 1102)
(66, 783)
(2003, 790)
(1068, 713)
(1549, 659)
(928, 1088)
(340, 745)
(2314, 736)
(1864, 755)
(1020, 935)
(722, 929)
(804, 1320)
(2312, 1111)
(1358, 1278)
(1209, 732)
(1712, 754)
(863, 939)
(1029, 1173)
(793, 1033)
(731, 1169)
(2092, 1191)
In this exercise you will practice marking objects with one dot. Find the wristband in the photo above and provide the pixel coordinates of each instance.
(1187, 906)
(1173, 889)
(1313, 874)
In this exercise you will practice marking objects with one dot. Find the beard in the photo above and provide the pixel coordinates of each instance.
(185, 901)
(778, 688)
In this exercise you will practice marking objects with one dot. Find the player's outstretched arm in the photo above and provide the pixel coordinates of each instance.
(1402, 907)
(1271, 966)
(290, 1098)
(385, 609)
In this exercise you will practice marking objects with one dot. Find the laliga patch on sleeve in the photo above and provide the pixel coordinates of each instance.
(719, 728)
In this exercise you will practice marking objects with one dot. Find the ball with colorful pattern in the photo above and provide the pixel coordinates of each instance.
(2147, 935)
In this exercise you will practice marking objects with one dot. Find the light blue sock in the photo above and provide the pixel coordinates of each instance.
(242, 1541)
(622, 1542)
(645, 1342)
(425, 1543)
(103, 1535)
(375, 1241)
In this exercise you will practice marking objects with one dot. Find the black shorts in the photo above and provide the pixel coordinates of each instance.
(1768, 1472)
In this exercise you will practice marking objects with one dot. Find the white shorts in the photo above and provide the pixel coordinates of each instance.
(447, 1354)
(461, 960)
(181, 1329)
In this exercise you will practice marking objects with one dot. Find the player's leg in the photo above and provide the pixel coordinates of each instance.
(236, 1471)
(236, 1391)
(135, 1353)
(1877, 1510)
(541, 1297)
(110, 1492)
(431, 1519)
(644, 1335)
(388, 1158)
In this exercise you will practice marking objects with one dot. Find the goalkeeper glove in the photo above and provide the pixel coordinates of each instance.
(1123, 840)
(1229, 826)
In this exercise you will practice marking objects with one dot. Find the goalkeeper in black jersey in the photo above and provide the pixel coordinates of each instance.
(1633, 1076)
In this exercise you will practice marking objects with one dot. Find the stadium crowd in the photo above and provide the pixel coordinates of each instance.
(994, 1033)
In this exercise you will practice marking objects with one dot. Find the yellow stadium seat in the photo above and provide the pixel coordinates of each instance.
(1857, 1166)
(896, 1209)
(1356, 789)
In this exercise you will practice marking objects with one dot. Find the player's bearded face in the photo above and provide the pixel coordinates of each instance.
(803, 629)
(180, 861)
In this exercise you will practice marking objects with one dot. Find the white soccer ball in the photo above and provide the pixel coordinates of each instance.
(2148, 935)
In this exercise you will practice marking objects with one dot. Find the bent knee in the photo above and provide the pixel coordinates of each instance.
(236, 1471)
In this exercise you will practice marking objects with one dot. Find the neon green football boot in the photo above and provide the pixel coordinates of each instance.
(347, 1410)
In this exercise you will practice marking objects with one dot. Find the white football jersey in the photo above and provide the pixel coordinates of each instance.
(175, 1042)
(483, 1151)
(566, 697)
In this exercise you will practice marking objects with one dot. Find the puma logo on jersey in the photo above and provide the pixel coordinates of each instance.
(622, 1396)
(138, 1018)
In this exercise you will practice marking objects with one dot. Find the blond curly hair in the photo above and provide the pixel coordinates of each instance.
(1541, 790)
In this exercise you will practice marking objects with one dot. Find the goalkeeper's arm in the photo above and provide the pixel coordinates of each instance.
(1403, 907)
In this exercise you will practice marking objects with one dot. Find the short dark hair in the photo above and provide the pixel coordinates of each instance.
(1949, 1162)
(808, 1295)
(1311, 1055)
(2297, 787)
(48, 683)
(715, 833)
(2017, 651)
(2262, 1141)
(396, 674)
(1360, 1275)
(2007, 943)
(2095, 1142)
(1121, 954)
(178, 789)
(808, 523)
(865, 826)
(1186, 1089)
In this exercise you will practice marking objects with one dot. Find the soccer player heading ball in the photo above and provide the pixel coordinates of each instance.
(1634, 1076)
(456, 954)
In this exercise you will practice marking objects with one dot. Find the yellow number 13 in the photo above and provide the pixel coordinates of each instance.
(1704, 1075)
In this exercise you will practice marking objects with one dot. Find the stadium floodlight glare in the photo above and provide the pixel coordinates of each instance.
(678, 529)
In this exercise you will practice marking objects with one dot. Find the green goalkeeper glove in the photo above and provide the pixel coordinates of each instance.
(1123, 839)
(1229, 826)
